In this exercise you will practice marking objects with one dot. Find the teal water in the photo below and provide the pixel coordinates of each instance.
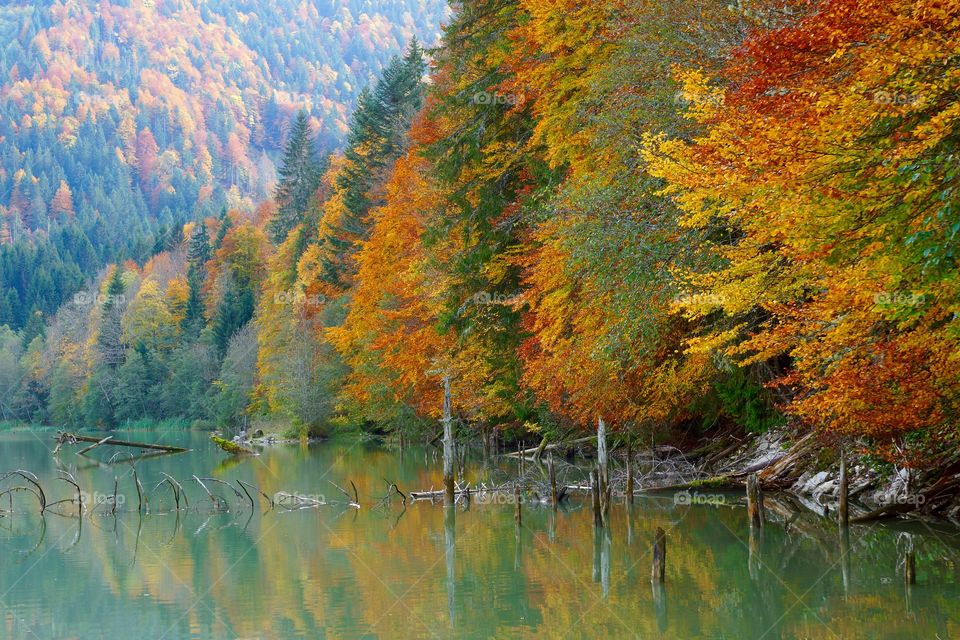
(389, 571)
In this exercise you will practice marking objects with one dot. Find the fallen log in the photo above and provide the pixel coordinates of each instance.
(533, 451)
(783, 468)
(889, 511)
(758, 466)
(483, 489)
(715, 483)
(231, 447)
(94, 445)
(70, 438)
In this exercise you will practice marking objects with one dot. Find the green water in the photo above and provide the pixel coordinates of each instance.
(383, 571)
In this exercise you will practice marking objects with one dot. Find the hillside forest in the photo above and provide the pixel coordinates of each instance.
(122, 120)
(675, 216)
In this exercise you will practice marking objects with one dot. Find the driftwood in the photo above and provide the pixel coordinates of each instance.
(258, 490)
(217, 501)
(32, 479)
(94, 445)
(295, 501)
(785, 468)
(353, 501)
(243, 491)
(71, 438)
(536, 452)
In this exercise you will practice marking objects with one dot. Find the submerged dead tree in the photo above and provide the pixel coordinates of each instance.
(448, 479)
(71, 438)
(603, 472)
(241, 494)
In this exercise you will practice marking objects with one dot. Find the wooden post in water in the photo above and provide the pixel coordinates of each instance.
(595, 493)
(603, 471)
(552, 471)
(629, 489)
(448, 498)
(518, 514)
(754, 501)
(450, 554)
(845, 559)
(910, 563)
(842, 510)
(658, 570)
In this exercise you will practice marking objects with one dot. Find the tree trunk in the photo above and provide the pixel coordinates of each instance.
(447, 443)
(658, 570)
(754, 501)
(842, 509)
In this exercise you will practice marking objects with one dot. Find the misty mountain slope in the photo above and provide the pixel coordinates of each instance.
(119, 120)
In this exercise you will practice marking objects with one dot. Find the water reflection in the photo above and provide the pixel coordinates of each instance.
(394, 569)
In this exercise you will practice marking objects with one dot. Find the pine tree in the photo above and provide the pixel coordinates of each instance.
(235, 310)
(299, 178)
(225, 224)
(198, 250)
(110, 338)
(198, 253)
(399, 95)
(35, 328)
(377, 137)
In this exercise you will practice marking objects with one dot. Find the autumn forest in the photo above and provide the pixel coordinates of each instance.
(480, 319)
(675, 216)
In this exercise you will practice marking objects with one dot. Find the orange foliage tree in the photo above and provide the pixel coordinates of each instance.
(824, 181)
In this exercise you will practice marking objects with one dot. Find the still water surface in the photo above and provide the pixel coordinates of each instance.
(385, 571)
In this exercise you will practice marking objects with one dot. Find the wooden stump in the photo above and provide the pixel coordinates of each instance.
(658, 570)
(843, 514)
(595, 493)
(448, 481)
(845, 558)
(518, 514)
(754, 501)
(603, 471)
(552, 471)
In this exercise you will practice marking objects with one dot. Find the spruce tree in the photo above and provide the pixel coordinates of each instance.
(377, 137)
(110, 338)
(225, 224)
(198, 252)
(299, 178)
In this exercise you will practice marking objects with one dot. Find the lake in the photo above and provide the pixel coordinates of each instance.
(420, 571)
